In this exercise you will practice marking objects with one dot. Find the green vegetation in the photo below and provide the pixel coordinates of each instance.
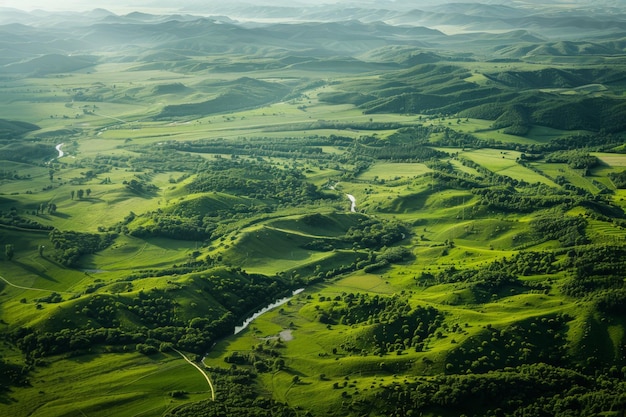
(441, 217)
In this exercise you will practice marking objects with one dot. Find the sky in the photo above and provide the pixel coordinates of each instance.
(155, 6)
(126, 6)
(80, 5)
(116, 5)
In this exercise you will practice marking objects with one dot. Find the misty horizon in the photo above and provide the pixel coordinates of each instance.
(195, 6)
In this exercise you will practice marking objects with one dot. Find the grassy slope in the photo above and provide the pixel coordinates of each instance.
(126, 383)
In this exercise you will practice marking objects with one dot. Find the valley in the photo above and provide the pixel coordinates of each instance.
(436, 195)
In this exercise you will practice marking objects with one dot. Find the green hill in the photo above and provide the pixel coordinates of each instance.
(51, 64)
(437, 215)
(557, 49)
(11, 129)
(207, 204)
(244, 93)
(529, 97)
(176, 88)
(27, 152)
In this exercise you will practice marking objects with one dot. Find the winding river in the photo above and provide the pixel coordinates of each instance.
(353, 201)
(265, 309)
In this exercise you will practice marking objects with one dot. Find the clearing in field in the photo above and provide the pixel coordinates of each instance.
(392, 171)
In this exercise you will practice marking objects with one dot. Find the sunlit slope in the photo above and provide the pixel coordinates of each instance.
(310, 243)
(449, 88)
(451, 202)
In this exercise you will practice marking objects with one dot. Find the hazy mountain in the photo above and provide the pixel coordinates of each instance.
(343, 28)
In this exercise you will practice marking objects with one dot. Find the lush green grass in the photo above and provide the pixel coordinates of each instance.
(483, 129)
(129, 253)
(106, 384)
(309, 344)
(610, 163)
(387, 171)
(446, 229)
(574, 176)
(505, 163)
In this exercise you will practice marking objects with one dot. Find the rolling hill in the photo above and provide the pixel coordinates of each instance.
(432, 198)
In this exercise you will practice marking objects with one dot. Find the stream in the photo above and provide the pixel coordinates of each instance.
(58, 148)
(353, 201)
(265, 309)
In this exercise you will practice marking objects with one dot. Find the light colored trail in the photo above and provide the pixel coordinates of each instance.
(208, 380)
(58, 148)
(110, 117)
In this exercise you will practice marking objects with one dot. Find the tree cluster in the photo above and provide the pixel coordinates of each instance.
(375, 234)
(70, 246)
(394, 324)
(527, 390)
(568, 230)
(12, 218)
(576, 159)
(618, 178)
(538, 339)
(596, 268)
(509, 199)
(257, 180)
(235, 396)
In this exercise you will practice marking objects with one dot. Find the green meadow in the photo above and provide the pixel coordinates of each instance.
(451, 223)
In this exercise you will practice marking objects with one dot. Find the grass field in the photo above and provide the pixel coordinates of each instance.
(113, 384)
(194, 245)
(573, 175)
(386, 171)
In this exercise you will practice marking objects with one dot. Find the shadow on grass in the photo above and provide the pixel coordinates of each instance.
(34, 271)
(90, 200)
(5, 396)
(83, 356)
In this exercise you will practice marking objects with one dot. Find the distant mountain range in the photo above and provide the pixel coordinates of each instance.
(41, 43)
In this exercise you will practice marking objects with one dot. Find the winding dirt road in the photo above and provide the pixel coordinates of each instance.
(208, 380)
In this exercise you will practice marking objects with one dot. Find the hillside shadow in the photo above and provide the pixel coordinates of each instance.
(34, 271)
(5, 397)
(88, 200)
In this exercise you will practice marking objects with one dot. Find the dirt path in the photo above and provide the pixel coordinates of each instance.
(208, 380)
(32, 288)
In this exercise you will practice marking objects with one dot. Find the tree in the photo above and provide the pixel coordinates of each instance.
(9, 251)
(80, 193)
(72, 194)
(41, 249)
(88, 191)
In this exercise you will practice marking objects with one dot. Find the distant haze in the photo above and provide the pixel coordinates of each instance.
(120, 6)
(140, 5)
(78, 5)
